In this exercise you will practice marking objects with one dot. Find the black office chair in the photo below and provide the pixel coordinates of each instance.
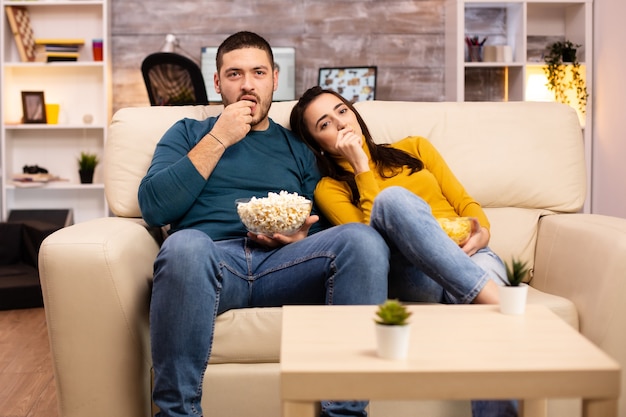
(173, 80)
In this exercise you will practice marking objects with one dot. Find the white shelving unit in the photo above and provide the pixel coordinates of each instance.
(82, 88)
(526, 26)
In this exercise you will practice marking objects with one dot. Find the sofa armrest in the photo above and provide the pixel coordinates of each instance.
(96, 279)
(582, 257)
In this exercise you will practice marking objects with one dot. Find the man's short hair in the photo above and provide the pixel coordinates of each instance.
(242, 40)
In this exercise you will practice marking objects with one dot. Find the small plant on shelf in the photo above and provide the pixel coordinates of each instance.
(392, 313)
(87, 161)
(561, 55)
(86, 166)
(516, 272)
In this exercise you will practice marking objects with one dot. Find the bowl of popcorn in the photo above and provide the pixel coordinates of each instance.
(283, 213)
(458, 228)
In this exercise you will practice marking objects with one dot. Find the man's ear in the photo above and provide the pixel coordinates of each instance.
(275, 79)
(216, 83)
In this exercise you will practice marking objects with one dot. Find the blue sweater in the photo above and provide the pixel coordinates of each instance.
(173, 191)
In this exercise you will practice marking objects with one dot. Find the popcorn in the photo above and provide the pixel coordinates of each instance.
(282, 213)
(458, 228)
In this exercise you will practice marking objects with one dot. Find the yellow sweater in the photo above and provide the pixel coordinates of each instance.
(436, 184)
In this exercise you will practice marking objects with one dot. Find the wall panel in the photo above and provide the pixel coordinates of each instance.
(404, 38)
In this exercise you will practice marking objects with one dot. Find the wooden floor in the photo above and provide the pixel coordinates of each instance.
(26, 381)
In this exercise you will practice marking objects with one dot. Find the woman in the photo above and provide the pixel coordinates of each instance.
(400, 189)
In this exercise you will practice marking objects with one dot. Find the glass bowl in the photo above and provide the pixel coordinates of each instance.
(459, 229)
(266, 216)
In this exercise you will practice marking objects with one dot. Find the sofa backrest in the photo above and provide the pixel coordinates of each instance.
(520, 160)
(515, 154)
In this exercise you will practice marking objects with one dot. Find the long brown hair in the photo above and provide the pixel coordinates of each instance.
(389, 161)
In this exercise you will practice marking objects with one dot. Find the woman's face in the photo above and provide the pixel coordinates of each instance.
(325, 117)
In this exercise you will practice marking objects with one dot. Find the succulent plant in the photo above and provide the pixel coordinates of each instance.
(516, 272)
(392, 313)
(87, 161)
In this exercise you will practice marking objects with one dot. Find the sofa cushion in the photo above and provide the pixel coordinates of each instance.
(252, 335)
(499, 151)
(133, 136)
(247, 335)
(514, 233)
(502, 171)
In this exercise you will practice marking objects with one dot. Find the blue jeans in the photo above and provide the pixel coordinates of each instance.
(195, 279)
(427, 266)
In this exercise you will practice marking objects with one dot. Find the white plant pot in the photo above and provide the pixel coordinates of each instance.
(392, 342)
(513, 299)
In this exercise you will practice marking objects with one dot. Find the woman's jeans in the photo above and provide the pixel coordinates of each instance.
(427, 266)
(195, 279)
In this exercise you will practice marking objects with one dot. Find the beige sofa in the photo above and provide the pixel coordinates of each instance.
(523, 161)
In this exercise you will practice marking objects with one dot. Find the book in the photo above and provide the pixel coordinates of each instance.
(19, 21)
(60, 41)
(57, 48)
(61, 56)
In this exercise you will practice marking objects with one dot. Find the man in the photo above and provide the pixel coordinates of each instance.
(209, 264)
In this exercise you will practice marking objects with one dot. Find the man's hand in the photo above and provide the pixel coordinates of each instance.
(281, 240)
(234, 122)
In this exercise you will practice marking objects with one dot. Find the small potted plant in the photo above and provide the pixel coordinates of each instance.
(513, 296)
(392, 330)
(561, 58)
(86, 166)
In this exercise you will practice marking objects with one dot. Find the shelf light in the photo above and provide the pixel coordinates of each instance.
(537, 89)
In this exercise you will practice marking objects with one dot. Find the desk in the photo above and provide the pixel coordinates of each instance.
(457, 352)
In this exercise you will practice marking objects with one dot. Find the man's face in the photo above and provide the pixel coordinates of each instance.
(247, 74)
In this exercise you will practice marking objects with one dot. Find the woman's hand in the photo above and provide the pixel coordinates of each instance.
(350, 145)
(280, 240)
(479, 239)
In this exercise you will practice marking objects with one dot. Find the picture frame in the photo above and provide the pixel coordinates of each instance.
(353, 83)
(33, 107)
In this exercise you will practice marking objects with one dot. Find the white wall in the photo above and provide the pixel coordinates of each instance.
(609, 132)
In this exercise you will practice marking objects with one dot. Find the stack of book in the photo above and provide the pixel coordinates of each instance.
(53, 50)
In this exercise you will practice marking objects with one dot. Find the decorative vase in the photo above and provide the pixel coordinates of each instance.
(392, 341)
(513, 299)
(569, 55)
(86, 177)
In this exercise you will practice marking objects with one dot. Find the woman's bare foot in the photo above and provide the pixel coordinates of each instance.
(488, 295)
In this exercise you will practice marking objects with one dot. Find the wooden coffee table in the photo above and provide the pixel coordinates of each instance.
(457, 352)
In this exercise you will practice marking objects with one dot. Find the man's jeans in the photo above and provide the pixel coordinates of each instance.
(195, 279)
(427, 266)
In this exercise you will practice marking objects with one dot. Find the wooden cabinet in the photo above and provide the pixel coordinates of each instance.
(81, 88)
(524, 28)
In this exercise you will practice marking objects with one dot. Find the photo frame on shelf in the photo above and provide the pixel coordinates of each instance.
(33, 107)
(353, 83)
(19, 20)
